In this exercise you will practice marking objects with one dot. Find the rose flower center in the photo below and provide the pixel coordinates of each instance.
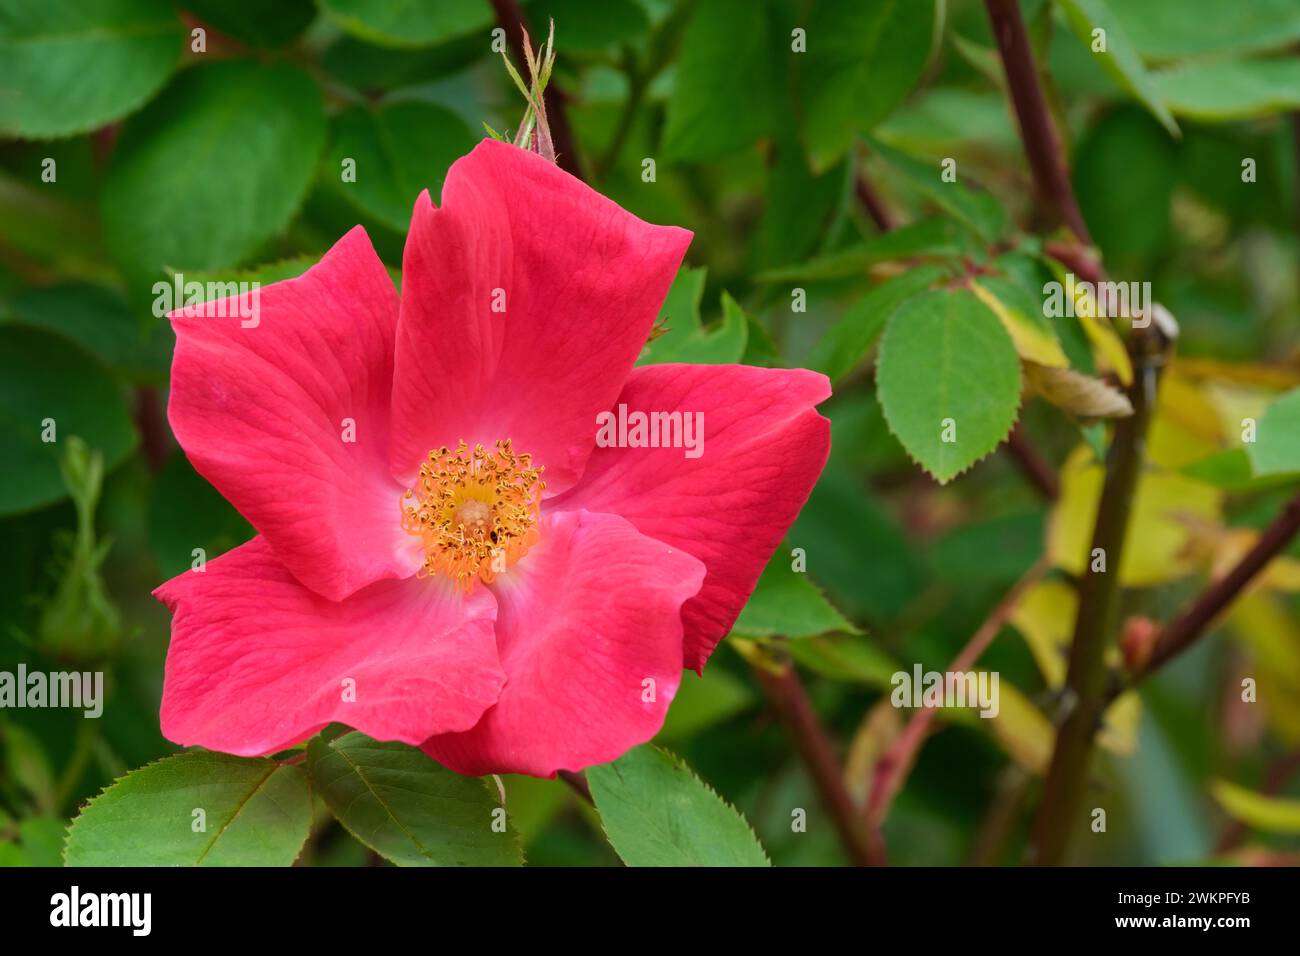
(475, 512)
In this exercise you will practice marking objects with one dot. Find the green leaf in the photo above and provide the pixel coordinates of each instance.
(101, 321)
(721, 101)
(255, 812)
(844, 657)
(406, 807)
(656, 812)
(406, 24)
(785, 602)
(847, 342)
(863, 58)
(1120, 59)
(1022, 316)
(1276, 449)
(250, 21)
(978, 211)
(26, 764)
(68, 67)
(686, 338)
(1261, 812)
(926, 238)
(801, 208)
(50, 228)
(1220, 90)
(42, 841)
(45, 378)
(577, 29)
(236, 143)
(1124, 171)
(947, 369)
(1172, 29)
(399, 149)
(703, 701)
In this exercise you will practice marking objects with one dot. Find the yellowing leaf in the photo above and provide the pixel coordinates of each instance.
(1235, 403)
(878, 730)
(1280, 574)
(1107, 346)
(1277, 378)
(1186, 426)
(1034, 341)
(1081, 395)
(1257, 810)
(1022, 729)
(1166, 507)
(1045, 619)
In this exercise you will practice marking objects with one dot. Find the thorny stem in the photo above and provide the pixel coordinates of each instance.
(511, 19)
(1180, 633)
(1042, 144)
(154, 434)
(1086, 678)
(873, 203)
(1032, 465)
(788, 696)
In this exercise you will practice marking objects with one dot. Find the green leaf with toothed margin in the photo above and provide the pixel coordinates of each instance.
(846, 342)
(255, 812)
(656, 812)
(948, 378)
(785, 602)
(685, 338)
(408, 808)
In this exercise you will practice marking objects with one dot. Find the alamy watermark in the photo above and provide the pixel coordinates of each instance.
(75, 908)
(624, 429)
(921, 688)
(74, 689)
(1110, 300)
(241, 300)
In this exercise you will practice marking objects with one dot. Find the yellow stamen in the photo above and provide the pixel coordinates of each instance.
(475, 512)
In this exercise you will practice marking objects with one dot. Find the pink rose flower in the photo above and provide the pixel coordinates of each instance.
(471, 572)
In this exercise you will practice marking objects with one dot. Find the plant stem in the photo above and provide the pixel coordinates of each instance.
(577, 782)
(787, 694)
(1184, 630)
(1032, 465)
(151, 421)
(1042, 144)
(511, 19)
(896, 763)
(1086, 678)
(873, 203)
